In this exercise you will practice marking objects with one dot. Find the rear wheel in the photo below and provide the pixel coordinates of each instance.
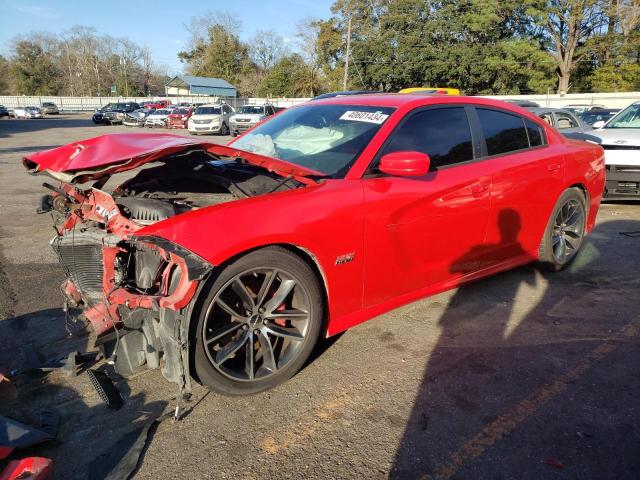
(565, 231)
(259, 323)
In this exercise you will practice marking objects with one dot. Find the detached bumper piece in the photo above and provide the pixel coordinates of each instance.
(106, 389)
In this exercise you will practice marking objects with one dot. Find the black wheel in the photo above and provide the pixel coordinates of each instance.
(565, 231)
(258, 324)
(224, 129)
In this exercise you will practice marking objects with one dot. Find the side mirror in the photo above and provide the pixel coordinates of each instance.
(599, 124)
(405, 164)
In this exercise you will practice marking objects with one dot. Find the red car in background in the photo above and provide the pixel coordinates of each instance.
(156, 104)
(229, 262)
(179, 117)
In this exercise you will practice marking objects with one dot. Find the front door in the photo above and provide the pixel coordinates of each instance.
(426, 230)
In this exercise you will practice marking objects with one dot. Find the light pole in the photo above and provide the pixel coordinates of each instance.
(123, 62)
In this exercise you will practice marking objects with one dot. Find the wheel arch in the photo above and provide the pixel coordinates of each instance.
(196, 305)
(587, 203)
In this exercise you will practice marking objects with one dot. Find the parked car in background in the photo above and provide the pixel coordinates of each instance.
(97, 117)
(579, 108)
(115, 114)
(155, 104)
(158, 118)
(179, 117)
(431, 90)
(50, 108)
(564, 121)
(318, 219)
(4, 112)
(213, 118)
(620, 138)
(523, 103)
(248, 116)
(598, 115)
(344, 93)
(137, 117)
(27, 112)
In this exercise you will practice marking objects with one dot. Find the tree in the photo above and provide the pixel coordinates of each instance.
(568, 24)
(33, 70)
(221, 55)
(266, 48)
(289, 77)
(4, 76)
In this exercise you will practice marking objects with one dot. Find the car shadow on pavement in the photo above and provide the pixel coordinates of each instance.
(516, 388)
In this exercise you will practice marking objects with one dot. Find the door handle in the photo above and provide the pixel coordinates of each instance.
(478, 190)
(554, 167)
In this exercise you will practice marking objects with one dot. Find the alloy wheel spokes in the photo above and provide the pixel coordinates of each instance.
(567, 230)
(230, 348)
(279, 296)
(260, 322)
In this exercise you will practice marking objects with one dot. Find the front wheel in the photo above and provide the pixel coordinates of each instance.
(565, 231)
(258, 324)
(224, 129)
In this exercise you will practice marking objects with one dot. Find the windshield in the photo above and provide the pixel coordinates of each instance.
(207, 111)
(594, 116)
(162, 111)
(180, 111)
(251, 110)
(628, 118)
(326, 138)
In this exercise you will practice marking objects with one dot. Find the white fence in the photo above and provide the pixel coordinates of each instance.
(78, 104)
(609, 100)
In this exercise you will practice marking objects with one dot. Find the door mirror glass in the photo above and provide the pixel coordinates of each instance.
(405, 164)
(599, 124)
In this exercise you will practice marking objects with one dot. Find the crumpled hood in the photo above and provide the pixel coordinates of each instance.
(95, 157)
(618, 136)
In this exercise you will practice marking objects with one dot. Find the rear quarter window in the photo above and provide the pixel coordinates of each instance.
(503, 132)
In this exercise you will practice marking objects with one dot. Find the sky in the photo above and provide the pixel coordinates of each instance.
(157, 24)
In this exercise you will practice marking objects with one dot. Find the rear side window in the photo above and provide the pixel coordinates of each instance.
(565, 121)
(535, 133)
(503, 132)
(441, 133)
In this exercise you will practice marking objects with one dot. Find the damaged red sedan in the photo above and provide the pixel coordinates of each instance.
(225, 264)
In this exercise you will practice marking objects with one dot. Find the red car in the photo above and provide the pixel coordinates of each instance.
(179, 117)
(229, 262)
(155, 104)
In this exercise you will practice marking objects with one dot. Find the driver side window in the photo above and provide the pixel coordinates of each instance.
(442, 133)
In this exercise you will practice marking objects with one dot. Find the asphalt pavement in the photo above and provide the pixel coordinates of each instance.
(525, 375)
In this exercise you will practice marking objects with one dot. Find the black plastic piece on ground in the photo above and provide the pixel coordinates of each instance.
(105, 388)
(50, 422)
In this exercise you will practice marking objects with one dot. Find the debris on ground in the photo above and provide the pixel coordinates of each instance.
(17, 435)
(106, 389)
(31, 468)
(123, 458)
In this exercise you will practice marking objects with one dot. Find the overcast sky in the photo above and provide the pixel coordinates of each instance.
(157, 24)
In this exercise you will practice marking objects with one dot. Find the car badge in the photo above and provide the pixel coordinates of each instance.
(620, 142)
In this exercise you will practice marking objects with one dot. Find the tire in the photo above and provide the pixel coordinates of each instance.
(224, 130)
(272, 348)
(565, 231)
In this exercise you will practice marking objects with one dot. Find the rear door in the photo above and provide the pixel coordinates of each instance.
(423, 231)
(527, 179)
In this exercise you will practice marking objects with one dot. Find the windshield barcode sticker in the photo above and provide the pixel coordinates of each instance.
(369, 117)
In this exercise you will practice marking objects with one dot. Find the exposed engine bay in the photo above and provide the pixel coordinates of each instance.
(135, 290)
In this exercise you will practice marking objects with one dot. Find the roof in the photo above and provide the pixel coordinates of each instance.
(415, 99)
(201, 81)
